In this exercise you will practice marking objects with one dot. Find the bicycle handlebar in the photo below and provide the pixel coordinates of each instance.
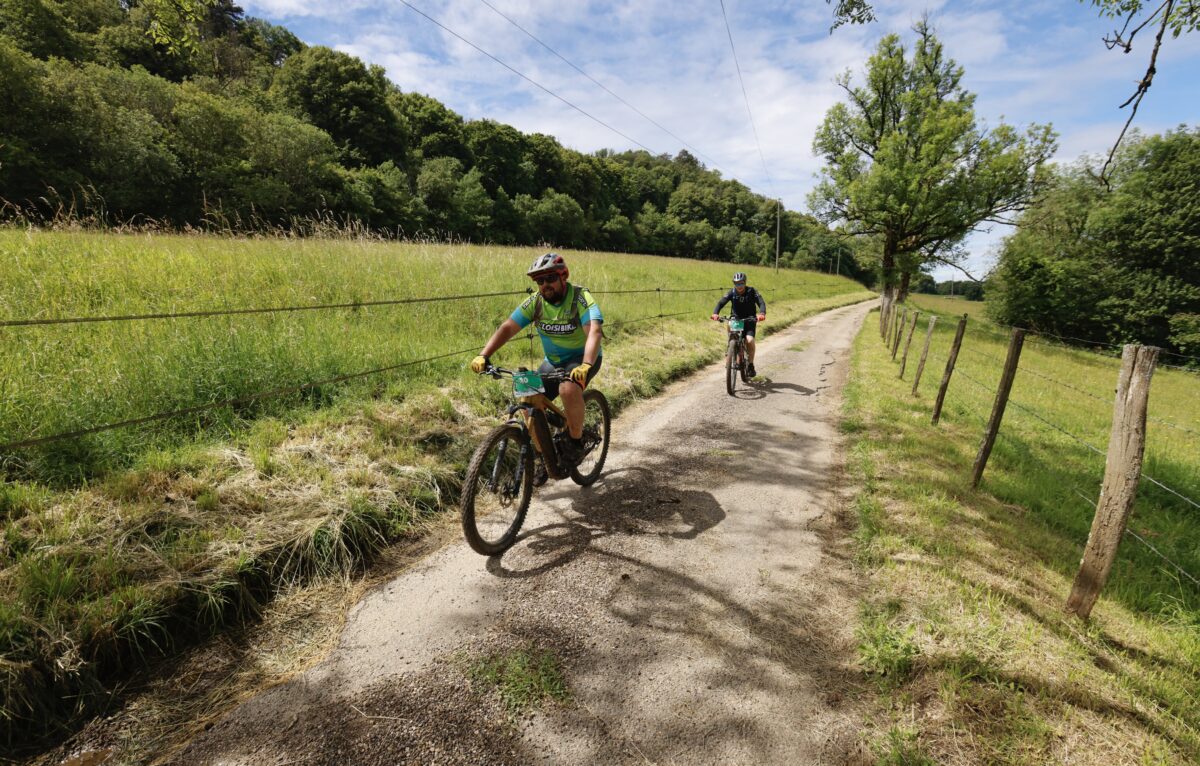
(498, 372)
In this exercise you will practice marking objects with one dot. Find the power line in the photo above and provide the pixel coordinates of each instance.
(527, 78)
(601, 85)
(761, 156)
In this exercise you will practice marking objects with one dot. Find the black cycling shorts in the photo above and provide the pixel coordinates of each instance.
(552, 385)
(748, 325)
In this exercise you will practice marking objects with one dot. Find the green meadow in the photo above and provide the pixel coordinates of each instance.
(126, 544)
(964, 628)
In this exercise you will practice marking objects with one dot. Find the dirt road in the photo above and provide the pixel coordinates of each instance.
(697, 598)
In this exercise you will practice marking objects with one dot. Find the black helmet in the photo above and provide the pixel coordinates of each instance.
(739, 278)
(548, 262)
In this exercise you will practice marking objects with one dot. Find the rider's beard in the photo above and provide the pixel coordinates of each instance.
(553, 291)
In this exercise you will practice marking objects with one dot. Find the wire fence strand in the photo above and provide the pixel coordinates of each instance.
(270, 393)
(1142, 540)
(260, 310)
(200, 313)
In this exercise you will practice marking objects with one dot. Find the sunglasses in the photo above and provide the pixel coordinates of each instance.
(548, 279)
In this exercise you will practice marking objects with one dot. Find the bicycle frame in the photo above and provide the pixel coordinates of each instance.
(736, 335)
(534, 421)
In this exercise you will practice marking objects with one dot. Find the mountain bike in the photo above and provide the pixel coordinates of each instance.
(736, 362)
(523, 453)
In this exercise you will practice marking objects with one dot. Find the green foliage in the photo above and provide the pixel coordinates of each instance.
(188, 113)
(39, 27)
(1185, 14)
(905, 159)
(1111, 267)
(340, 95)
(174, 24)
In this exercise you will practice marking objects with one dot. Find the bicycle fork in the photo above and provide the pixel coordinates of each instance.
(494, 479)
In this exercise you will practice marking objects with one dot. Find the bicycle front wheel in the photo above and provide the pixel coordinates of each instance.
(596, 422)
(731, 367)
(497, 489)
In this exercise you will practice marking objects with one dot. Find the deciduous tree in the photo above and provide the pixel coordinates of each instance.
(907, 161)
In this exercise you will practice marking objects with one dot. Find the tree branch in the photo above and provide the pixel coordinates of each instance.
(1143, 86)
(953, 265)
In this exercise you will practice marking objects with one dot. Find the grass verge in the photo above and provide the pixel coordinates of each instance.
(965, 633)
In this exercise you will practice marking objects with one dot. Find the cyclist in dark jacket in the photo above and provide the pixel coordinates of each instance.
(743, 301)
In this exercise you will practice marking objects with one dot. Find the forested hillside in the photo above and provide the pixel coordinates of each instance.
(249, 129)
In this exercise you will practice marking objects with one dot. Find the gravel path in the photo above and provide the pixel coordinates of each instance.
(698, 599)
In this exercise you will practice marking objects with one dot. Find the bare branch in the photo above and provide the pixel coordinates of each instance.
(953, 265)
(1143, 86)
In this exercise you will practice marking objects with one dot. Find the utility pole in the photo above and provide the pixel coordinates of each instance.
(778, 214)
(839, 262)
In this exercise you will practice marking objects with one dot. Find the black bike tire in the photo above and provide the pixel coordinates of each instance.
(590, 478)
(730, 370)
(745, 366)
(470, 483)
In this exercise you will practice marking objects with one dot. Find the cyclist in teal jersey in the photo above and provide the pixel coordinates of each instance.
(569, 322)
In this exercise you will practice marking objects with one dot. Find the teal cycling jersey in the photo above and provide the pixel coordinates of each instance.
(560, 326)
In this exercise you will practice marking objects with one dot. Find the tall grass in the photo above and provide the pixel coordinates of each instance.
(975, 581)
(66, 377)
(127, 543)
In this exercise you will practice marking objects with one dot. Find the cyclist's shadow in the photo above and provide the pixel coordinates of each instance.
(630, 501)
(759, 388)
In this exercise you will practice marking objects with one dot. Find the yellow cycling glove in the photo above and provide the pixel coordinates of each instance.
(580, 374)
(479, 364)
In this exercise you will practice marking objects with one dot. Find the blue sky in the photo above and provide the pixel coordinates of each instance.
(1040, 61)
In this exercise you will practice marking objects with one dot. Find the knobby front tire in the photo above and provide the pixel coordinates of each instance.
(496, 490)
(731, 367)
(597, 421)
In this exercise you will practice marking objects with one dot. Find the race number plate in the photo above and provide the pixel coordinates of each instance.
(527, 383)
(736, 325)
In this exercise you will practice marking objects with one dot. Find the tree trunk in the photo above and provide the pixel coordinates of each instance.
(905, 278)
(889, 267)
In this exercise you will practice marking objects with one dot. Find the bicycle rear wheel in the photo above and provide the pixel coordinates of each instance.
(596, 422)
(497, 489)
(731, 367)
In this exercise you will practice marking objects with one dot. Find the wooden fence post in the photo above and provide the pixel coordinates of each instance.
(887, 320)
(899, 332)
(993, 426)
(908, 343)
(941, 397)
(1122, 472)
(924, 354)
(883, 309)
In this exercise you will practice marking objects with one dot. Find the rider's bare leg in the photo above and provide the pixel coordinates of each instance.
(572, 399)
(750, 348)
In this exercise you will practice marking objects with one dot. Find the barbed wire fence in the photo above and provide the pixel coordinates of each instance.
(786, 291)
(1122, 467)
